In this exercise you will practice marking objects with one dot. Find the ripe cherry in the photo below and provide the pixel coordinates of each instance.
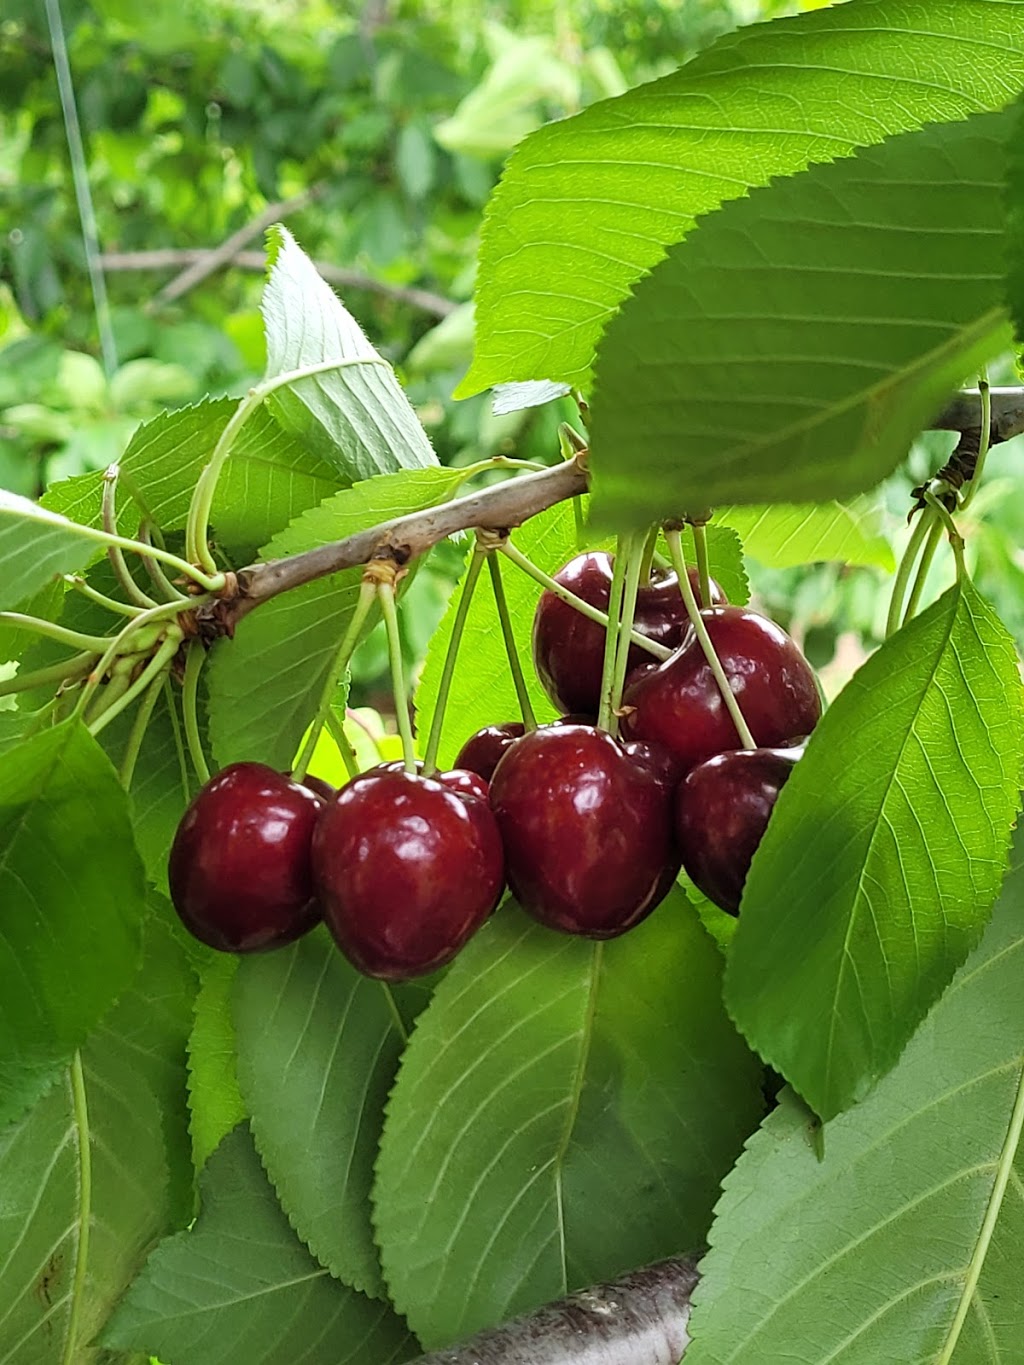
(461, 780)
(679, 705)
(483, 749)
(568, 648)
(722, 810)
(587, 828)
(405, 870)
(240, 872)
(319, 787)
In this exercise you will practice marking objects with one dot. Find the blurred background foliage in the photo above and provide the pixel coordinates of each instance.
(377, 130)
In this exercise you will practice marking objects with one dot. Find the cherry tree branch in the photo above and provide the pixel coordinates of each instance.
(639, 1320)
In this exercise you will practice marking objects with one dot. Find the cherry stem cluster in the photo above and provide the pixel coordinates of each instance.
(444, 687)
(511, 649)
(386, 597)
(616, 593)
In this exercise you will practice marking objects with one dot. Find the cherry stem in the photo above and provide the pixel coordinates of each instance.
(650, 545)
(660, 652)
(508, 634)
(444, 686)
(138, 731)
(195, 657)
(386, 595)
(675, 547)
(343, 744)
(150, 624)
(367, 597)
(179, 747)
(114, 554)
(157, 577)
(927, 555)
(636, 551)
(80, 584)
(71, 669)
(151, 675)
(906, 568)
(606, 707)
(700, 546)
(984, 443)
(197, 524)
(53, 631)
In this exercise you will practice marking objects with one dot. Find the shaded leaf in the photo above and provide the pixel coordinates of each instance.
(884, 854)
(356, 417)
(126, 1107)
(239, 1287)
(785, 535)
(564, 1112)
(762, 102)
(863, 1256)
(214, 1100)
(1015, 224)
(35, 544)
(318, 1047)
(69, 921)
(792, 347)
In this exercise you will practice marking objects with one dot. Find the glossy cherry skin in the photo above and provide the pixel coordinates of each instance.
(587, 829)
(568, 648)
(325, 790)
(722, 811)
(680, 707)
(461, 780)
(240, 871)
(405, 870)
(483, 749)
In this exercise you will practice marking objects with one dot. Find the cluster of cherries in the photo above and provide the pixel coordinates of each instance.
(588, 830)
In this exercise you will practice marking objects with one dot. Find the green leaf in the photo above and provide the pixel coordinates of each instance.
(290, 642)
(125, 1108)
(884, 854)
(215, 1102)
(318, 1048)
(69, 921)
(45, 604)
(1015, 224)
(355, 417)
(35, 544)
(564, 1112)
(725, 560)
(864, 1256)
(760, 103)
(782, 536)
(240, 1289)
(792, 347)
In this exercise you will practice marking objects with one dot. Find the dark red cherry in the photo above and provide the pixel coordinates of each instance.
(461, 780)
(722, 810)
(587, 829)
(239, 870)
(481, 752)
(680, 706)
(405, 870)
(319, 787)
(568, 648)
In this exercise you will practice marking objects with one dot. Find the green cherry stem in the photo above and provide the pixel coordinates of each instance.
(114, 553)
(386, 596)
(700, 546)
(364, 602)
(636, 559)
(81, 585)
(195, 657)
(511, 649)
(984, 443)
(53, 631)
(520, 560)
(70, 670)
(197, 525)
(650, 545)
(144, 631)
(150, 677)
(343, 744)
(675, 546)
(168, 592)
(905, 570)
(925, 563)
(606, 705)
(444, 686)
(179, 745)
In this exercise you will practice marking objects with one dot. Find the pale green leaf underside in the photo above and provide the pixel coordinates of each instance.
(884, 854)
(265, 683)
(35, 544)
(134, 1123)
(357, 418)
(793, 345)
(318, 1047)
(240, 1289)
(564, 1112)
(588, 204)
(69, 922)
(862, 1257)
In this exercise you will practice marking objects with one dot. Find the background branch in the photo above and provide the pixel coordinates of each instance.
(173, 258)
(639, 1320)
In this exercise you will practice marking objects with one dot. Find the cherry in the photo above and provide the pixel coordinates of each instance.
(568, 648)
(406, 870)
(483, 749)
(319, 787)
(461, 780)
(587, 828)
(679, 705)
(239, 871)
(722, 810)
